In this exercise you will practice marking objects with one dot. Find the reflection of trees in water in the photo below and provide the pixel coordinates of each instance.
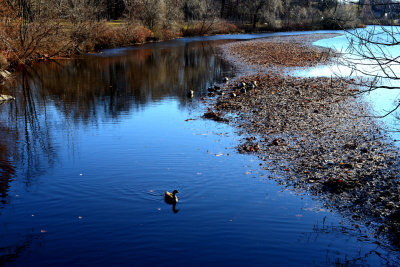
(7, 169)
(25, 146)
(34, 124)
(108, 86)
(91, 89)
(26, 138)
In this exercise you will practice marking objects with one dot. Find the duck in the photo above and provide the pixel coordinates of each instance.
(171, 197)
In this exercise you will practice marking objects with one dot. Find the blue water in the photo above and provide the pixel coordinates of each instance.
(90, 146)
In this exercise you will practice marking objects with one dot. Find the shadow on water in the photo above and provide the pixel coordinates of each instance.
(9, 254)
(323, 230)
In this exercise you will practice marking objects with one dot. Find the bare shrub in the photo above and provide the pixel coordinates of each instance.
(223, 27)
(105, 36)
(167, 33)
(139, 34)
(209, 27)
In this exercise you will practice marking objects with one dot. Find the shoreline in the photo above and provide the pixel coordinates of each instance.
(312, 134)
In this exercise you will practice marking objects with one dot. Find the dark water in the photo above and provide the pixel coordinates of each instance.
(90, 146)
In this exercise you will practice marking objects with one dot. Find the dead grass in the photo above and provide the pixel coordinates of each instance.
(106, 36)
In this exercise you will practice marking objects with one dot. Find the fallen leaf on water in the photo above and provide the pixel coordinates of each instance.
(43, 231)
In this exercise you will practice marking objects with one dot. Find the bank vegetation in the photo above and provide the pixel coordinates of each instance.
(32, 30)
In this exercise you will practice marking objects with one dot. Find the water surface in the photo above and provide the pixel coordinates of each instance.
(90, 146)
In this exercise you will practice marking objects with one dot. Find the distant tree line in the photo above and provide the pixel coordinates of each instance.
(153, 12)
(32, 29)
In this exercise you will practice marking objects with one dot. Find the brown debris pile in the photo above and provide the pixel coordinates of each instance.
(271, 53)
(278, 53)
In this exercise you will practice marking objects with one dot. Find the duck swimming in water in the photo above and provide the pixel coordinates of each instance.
(171, 197)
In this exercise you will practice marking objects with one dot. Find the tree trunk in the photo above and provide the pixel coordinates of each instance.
(222, 8)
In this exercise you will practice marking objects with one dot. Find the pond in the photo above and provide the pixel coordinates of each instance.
(90, 145)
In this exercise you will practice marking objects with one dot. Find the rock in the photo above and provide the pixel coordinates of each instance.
(225, 79)
(216, 87)
(214, 116)
(249, 147)
(242, 85)
(347, 166)
(243, 90)
(278, 142)
(350, 146)
(211, 89)
(190, 93)
(5, 98)
(334, 185)
(232, 94)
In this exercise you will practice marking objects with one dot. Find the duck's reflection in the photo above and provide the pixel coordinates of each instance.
(174, 210)
(173, 204)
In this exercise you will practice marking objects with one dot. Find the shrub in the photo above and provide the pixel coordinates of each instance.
(139, 34)
(190, 30)
(106, 36)
(223, 27)
(167, 33)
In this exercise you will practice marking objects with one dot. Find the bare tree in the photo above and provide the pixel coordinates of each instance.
(262, 10)
(150, 12)
(370, 59)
